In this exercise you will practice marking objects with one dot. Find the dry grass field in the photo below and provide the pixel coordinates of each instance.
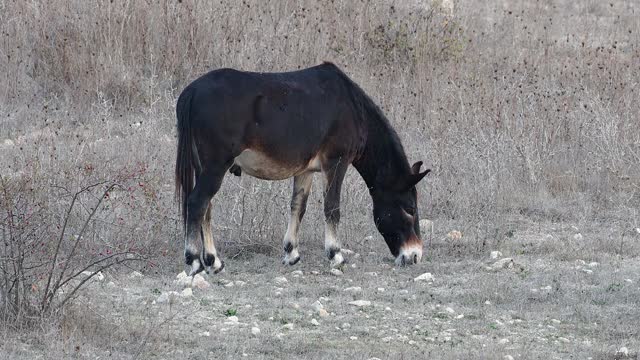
(527, 112)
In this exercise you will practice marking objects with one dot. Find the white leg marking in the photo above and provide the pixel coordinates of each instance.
(301, 188)
(332, 245)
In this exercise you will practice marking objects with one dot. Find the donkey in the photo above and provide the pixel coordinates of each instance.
(274, 126)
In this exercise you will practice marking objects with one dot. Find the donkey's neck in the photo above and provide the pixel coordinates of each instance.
(383, 159)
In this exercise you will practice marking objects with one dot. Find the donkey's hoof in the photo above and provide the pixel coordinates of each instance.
(196, 267)
(291, 258)
(213, 264)
(338, 260)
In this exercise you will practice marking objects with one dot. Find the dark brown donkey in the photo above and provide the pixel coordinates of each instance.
(279, 125)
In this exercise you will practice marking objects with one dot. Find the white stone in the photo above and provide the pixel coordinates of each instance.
(503, 341)
(199, 282)
(360, 303)
(280, 280)
(336, 272)
(229, 284)
(111, 284)
(460, 316)
(593, 264)
(317, 305)
(315, 322)
(205, 333)
(577, 237)
(233, 318)
(587, 271)
(288, 326)
(255, 331)
(380, 289)
(449, 310)
(505, 263)
(353, 289)
(387, 309)
(135, 274)
(426, 226)
(556, 321)
(346, 252)
(637, 231)
(495, 254)
(323, 313)
(297, 273)
(564, 340)
(182, 275)
(487, 302)
(508, 357)
(623, 351)
(186, 292)
(424, 277)
(353, 337)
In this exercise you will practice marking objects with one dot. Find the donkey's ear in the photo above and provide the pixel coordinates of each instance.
(413, 179)
(415, 168)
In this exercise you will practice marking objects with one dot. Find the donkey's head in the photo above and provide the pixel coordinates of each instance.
(395, 211)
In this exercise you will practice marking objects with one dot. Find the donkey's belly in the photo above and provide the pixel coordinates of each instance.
(261, 166)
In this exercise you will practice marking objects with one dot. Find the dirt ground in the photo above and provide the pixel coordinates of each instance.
(562, 296)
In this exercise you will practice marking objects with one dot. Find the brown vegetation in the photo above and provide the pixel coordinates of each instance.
(527, 112)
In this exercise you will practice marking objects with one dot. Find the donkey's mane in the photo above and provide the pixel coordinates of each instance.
(382, 140)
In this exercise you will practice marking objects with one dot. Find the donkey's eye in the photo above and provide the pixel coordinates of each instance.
(411, 211)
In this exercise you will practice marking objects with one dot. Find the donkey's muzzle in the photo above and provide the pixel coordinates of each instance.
(410, 253)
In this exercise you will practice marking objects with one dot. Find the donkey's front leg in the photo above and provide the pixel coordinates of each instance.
(301, 188)
(334, 172)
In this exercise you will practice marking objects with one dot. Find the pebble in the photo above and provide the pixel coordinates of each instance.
(593, 264)
(577, 237)
(233, 319)
(380, 289)
(255, 331)
(336, 272)
(353, 337)
(623, 351)
(229, 284)
(240, 283)
(346, 325)
(449, 310)
(199, 282)
(288, 326)
(487, 302)
(424, 277)
(503, 341)
(556, 321)
(360, 303)
(205, 333)
(505, 263)
(495, 254)
(387, 309)
(297, 273)
(564, 340)
(280, 280)
(323, 313)
(315, 322)
(353, 289)
(186, 292)
(317, 305)
(508, 357)
(136, 274)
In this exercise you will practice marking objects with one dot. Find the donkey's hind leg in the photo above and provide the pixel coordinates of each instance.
(301, 188)
(334, 172)
(207, 184)
(210, 258)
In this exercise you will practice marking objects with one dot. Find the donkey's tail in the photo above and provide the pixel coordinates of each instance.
(187, 158)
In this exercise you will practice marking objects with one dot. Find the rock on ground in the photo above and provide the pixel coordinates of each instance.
(424, 277)
(360, 303)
